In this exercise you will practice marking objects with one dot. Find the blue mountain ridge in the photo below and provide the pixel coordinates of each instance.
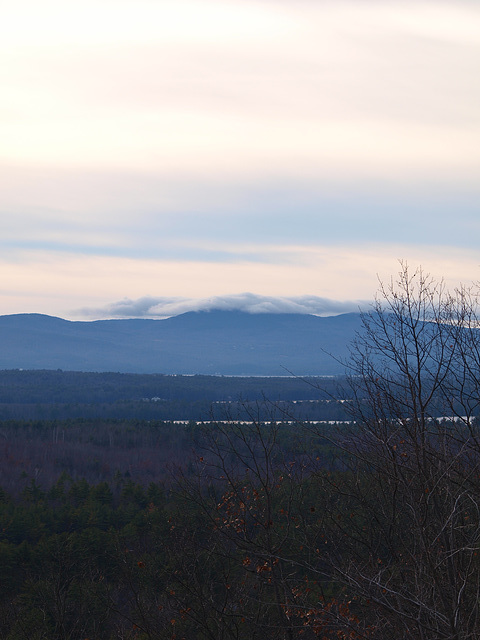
(201, 342)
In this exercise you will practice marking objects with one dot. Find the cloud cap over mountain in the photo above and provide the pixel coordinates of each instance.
(162, 307)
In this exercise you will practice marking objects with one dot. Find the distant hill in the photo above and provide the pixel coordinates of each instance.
(204, 342)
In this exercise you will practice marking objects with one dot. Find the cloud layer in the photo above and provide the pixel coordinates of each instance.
(162, 307)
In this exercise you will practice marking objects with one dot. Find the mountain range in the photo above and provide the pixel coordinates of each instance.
(201, 342)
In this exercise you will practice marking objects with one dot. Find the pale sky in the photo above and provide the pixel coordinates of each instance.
(155, 153)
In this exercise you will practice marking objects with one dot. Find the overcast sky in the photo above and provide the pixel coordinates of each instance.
(154, 151)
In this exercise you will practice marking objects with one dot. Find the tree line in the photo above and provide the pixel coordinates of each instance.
(65, 395)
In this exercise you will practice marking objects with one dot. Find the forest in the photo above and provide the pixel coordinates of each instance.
(257, 524)
(64, 395)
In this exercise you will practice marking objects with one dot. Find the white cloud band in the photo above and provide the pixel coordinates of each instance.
(151, 306)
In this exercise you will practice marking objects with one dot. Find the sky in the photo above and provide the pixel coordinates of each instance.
(158, 156)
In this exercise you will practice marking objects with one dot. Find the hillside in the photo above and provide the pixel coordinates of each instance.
(213, 343)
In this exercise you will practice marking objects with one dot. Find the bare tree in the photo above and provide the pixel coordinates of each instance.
(403, 518)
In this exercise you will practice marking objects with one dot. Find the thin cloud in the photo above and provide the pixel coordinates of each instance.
(163, 307)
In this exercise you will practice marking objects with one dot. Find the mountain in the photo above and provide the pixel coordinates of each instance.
(203, 342)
